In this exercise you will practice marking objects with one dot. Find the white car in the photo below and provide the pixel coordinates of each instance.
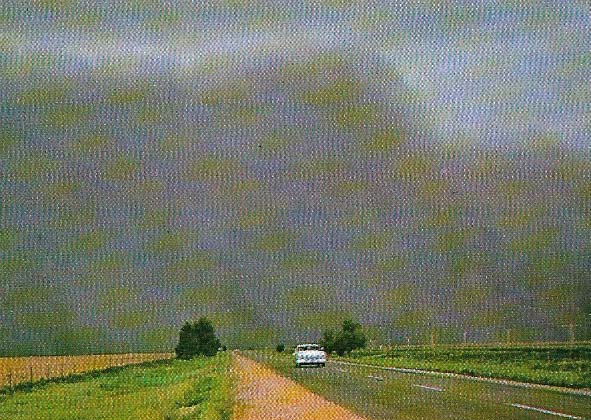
(310, 354)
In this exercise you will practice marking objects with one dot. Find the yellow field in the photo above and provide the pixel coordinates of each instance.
(15, 370)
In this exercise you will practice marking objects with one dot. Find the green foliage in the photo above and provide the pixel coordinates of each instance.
(328, 340)
(280, 348)
(351, 337)
(197, 339)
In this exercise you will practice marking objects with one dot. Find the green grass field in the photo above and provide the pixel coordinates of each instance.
(558, 365)
(166, 390)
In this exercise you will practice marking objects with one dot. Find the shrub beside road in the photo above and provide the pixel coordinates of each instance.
(557, 365)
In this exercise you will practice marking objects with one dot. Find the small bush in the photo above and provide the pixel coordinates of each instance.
(280, 348)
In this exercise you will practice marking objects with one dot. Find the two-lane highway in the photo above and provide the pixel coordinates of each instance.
(385, 394)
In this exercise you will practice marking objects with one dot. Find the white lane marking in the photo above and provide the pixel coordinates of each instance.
(430, 388)
(541, 410)
(507, 382)
(377, 378)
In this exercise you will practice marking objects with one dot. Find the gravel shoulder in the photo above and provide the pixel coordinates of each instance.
(263, 394)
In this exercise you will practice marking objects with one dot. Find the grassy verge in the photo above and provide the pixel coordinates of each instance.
(166, 390)
(559, 365)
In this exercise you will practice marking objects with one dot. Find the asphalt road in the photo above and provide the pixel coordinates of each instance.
(381, 394)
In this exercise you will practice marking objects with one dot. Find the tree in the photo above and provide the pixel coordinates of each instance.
(197, 339)
(351, 337)
(280, 348)
(328, 341)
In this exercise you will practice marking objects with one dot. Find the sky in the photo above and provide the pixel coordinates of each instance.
(420, 167)
(477, 67)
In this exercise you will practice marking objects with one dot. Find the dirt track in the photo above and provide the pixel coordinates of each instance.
(263, 394)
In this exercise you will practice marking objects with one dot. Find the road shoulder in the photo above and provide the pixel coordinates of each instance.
(263, 394)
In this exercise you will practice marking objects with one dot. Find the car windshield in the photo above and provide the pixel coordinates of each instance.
(308, 347)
